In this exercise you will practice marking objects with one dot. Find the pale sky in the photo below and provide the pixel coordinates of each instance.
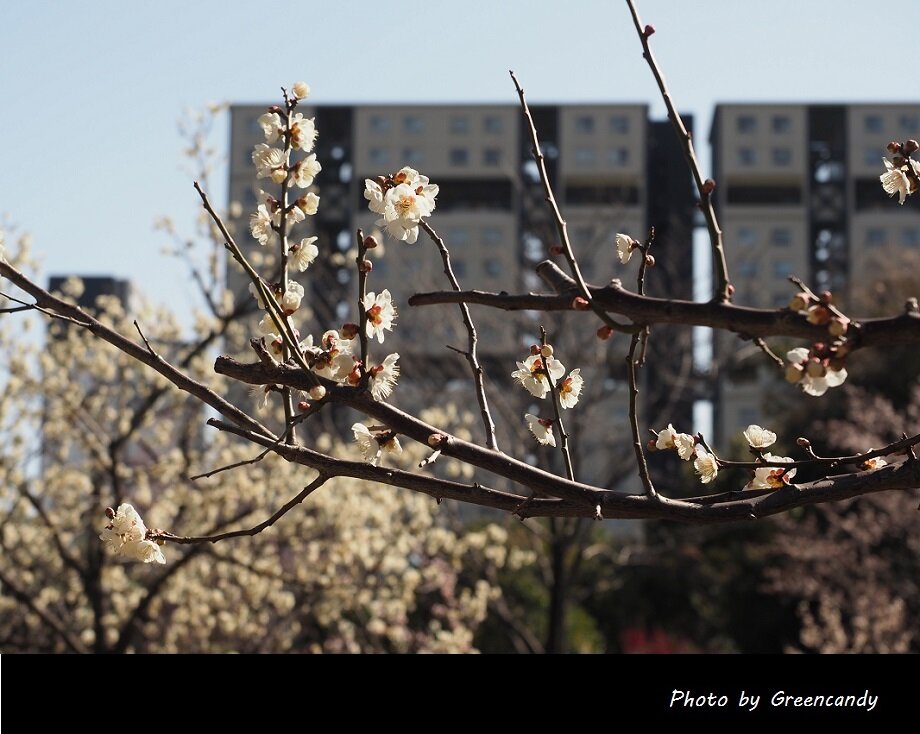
(91, 92)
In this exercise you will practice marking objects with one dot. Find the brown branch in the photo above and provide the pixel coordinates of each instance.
(177, 377)
(362, 310)
(641, 463)
(561, 226)
(471, 353)
(704, 187)
(747, 322)
(255, 529)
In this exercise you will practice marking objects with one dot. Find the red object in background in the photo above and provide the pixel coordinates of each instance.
(655, 641)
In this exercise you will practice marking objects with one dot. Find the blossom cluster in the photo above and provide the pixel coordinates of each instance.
(815, 370)
(542, 374)
(126, 535)
(401, 200)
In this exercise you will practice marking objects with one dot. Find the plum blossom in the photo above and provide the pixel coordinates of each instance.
(125, 535)
(877, 463)
(374, 195)
(570, 389)
(759, 438)
(260, 224)
(771, 477)
(268, 162)
(291, 298)
(530, 374)
(372, 445)
(541, 428)
(383, 377)
(625, 247)
(303, 133)
(815, 378)
(706, 466)
(303, 253)
(305, 171)
(380, 314)
(301, 90)
(270, 123)
(669, 438)
(308, 204)
(896, 181)
(403, 200)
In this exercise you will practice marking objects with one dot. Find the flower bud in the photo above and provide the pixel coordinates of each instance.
(803, 442)
(819, 315)
(843, 350)
(731, 289)
(652, 445)
(349, 331)
(650, 261)
(580, 304)
(370, 242)
(649, 30)
(836, 364)
(604, 333)
(837, 327)
(546, 350)
(794, 373)
(317, 392)
(799, 302)
(555, 250)
(278, 176)
(894, 146)
(709, 185)
(303, 405)
(110, 513)
(534, 350)
(911, 146)
(366, 266)
(815, 368)
(826, 297)
(436, 439)
(301, 90)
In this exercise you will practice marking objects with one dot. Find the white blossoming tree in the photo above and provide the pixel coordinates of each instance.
(307, 376)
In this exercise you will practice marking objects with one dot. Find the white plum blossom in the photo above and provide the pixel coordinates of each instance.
(530, 374)
(303, 133)
(380, 314)
(260, 224)
(706, 466)
(541, 428)
(301, 90)
(759, 438)
(372, 445)
(305, 171)
(570, 389)
(669, 438)
(304, 253)
(270, 123)
(624, 247)
(771, 477)
(268, 160)
(896, 181)
(383, 377)
(374, 195)
(125, 535)
(815, 385)
(308, 204)
(877, 463)
(290, 300)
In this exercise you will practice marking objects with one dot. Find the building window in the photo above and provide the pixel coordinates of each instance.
(910, 237)
(378, 156)
(747, 124)
(619, 124)
(492, 124)
(618, 156)
(458, 236)
(747, 236)
(781, 236)
(492, 267)
(874, 123)
(459, 156)
(491, 157)
(910, 123)
(584, 157)
(747, 156)
(413, 124)
(875, 237)
(491, 236)
(747, 268)
(782, 268)
(380, 124)
(412, 156)
(782, 156)
(459, 124)
(781, 123)
(584, 124)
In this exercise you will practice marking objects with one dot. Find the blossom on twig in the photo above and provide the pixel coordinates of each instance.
(126, 535)
(541, 428)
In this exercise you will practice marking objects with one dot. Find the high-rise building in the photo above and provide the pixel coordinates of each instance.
(798, 193)
(612, 169)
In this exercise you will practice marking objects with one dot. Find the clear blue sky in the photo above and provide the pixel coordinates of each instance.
(90, 92)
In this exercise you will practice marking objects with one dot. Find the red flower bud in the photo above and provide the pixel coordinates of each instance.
(911, 146)
(604, 333)
(649, 30)
(580, 304)
(366, 266)
(370, 242)
(709, 185)
(555, 250)
(303, 405)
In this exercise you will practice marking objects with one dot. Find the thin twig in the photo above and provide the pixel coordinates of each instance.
(723, 286)
(255, 530)
(762, 345)
(35, 307)
(235, 465)
(561, 226)
(638, 448)
(149, 348)
(473, 339)
(362, 309)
